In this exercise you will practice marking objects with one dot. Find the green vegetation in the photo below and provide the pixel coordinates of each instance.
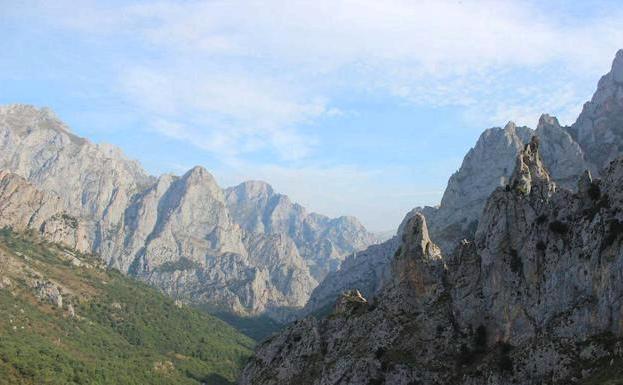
(124, 332)
(259, 327)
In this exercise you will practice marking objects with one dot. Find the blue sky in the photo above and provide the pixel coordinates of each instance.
(358, 108)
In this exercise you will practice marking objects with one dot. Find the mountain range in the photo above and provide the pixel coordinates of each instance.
(595, 139)
(245, 249)
(516, 278)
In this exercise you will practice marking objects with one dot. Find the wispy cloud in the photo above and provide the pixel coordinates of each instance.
(227, 113)
(242, 78)
(277, 63)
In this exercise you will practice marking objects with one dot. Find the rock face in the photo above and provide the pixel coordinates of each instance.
(23, 207)
(367, 271)
(599, 128)
(535, 298)
(96, 181)
(244, 249)
(323, 242)
(594, 140)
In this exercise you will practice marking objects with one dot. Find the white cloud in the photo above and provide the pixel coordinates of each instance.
(227, 113)
(238, 78)
(429, 52)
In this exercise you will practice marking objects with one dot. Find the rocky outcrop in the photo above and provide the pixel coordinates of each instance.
(323, 242)
(244, 249)
(23, 207)
(599, 128)
(535, 298)
(96, 181)
(366, 270)
(488, 165)
(589, 144)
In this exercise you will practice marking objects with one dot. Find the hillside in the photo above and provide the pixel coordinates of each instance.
(66, 319)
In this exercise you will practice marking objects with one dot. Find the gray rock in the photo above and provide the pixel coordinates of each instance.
(598, 128)
(591, 143)
(323, 242)
(50, 292)
(246, 249)
(23, 207)
(536, 298)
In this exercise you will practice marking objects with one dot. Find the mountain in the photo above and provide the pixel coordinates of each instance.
(595, 139)
(245, 249)
(67, 319)
(323, 242)
(534, 298)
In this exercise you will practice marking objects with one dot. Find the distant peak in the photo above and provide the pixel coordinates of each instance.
(510, 125)
(548, 120)
(257, 186)
(198, 172)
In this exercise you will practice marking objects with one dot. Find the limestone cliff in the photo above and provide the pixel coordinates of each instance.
(202, 244)
(589, 144)
(24, 208)
(535, 298)
(323, 242)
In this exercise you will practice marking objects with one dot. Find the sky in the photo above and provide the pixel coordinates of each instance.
(358, 107)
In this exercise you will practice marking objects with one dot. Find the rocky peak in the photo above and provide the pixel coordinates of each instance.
(254, 189)
(416, 241)
(585, 182)
(486, 166)
(547, 120)
(530, 173)
(25, 118)
(598, 128)
(417, 268)
(200, 178)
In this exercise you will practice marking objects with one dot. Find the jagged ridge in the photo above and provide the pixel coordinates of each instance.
(535, 298)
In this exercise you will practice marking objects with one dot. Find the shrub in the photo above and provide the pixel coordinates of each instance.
(480, 339)
(505, 363)
(614, 231)
(516, 262)
(559, 227)
(594, 192)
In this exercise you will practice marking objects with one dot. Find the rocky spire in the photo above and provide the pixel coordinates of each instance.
(530, 173)
(416, 241)
(417, 269)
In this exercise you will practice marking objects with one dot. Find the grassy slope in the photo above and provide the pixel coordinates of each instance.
(125, 332)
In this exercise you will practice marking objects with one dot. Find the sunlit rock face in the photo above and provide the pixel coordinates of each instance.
(595, 139)
(244, 249)
(323, 242)
(535, 298)
(24, 208)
